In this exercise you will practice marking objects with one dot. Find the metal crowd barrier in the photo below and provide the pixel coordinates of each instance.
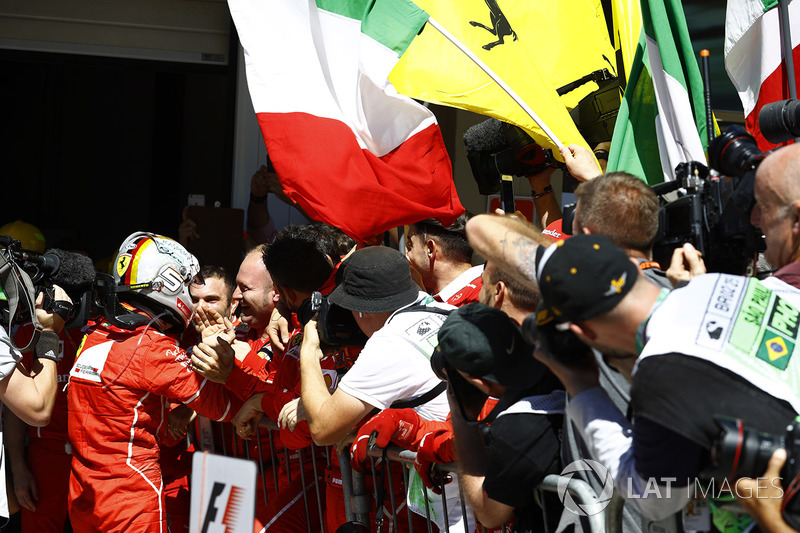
(357, 498)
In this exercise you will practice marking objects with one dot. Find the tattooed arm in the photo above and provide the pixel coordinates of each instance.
(509, 243)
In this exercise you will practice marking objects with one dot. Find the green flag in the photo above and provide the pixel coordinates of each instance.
(661, 120)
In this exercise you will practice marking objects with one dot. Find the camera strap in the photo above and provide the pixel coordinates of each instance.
(419, 400)
(441, 387)
(16, 283)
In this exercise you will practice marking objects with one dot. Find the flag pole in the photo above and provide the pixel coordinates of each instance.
(786, 41)
(484, 67)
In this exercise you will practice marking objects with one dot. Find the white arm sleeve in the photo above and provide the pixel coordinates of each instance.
(9, 354)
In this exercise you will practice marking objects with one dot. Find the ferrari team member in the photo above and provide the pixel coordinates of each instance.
(127, 368)
(443, 258)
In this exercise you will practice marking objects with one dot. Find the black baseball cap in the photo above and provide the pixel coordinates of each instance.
(482, 341)
(583, 277)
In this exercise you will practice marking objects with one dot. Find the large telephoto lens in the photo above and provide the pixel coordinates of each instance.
(780, 121)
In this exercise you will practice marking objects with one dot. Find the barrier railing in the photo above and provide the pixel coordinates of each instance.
(358, 501)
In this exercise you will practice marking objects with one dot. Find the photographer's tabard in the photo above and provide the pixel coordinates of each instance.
(743, 325)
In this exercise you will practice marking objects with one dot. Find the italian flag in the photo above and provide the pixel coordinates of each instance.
(754, 58)
(347, 147)
(661, 121)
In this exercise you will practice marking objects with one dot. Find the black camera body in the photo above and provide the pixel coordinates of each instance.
(26, 274)
(336, 325)
(741, 452)
(780, 121)
(553, 340)
(714, 211)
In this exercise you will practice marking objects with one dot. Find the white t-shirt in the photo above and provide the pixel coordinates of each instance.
(395, 363)
(9, 356)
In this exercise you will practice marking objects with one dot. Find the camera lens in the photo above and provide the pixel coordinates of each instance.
(734, 152)
(780, 121)
(741, 452)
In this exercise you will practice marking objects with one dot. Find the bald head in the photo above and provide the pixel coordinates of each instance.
(777, 211)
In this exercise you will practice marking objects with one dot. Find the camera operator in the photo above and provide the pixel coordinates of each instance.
(776, 212)
(684, 370)
(484, 355)
(41, 469)
(30, 394)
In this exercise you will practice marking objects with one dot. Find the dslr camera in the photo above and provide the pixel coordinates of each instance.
(741, 452)
(336, 325)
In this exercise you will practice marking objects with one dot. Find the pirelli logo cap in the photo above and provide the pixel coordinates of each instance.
(584, 277)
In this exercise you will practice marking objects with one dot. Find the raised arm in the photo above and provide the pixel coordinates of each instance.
(509, 243)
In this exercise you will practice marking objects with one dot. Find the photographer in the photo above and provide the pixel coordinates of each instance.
(683, 379)
(625, 209)
(762, 500)
(300, 260)
(484, 355)
(401, 323)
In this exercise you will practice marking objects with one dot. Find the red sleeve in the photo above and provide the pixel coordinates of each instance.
(167, 373)
(244, 385)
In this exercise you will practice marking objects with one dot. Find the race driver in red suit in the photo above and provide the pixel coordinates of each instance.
(126, 371)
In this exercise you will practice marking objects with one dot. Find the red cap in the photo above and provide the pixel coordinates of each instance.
(554, 231)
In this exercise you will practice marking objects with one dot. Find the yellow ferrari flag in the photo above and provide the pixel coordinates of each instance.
(627, 17)
(525, 52)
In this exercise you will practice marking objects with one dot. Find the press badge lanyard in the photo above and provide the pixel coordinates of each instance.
(640, 331)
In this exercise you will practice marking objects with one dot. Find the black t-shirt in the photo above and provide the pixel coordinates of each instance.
(675, 399)
(523, 449)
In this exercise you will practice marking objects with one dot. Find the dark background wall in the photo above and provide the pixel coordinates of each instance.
(95, 148)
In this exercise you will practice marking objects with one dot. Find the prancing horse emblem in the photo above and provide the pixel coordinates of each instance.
(500, 26)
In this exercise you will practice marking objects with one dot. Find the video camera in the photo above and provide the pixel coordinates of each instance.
(741, 452)
(496, 148)
(24, 274)
(336, 325)
(714, 211)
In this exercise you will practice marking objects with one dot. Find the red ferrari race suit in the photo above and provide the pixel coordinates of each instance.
(117, 405)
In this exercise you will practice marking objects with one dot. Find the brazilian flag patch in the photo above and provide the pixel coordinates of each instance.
(776, 350)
